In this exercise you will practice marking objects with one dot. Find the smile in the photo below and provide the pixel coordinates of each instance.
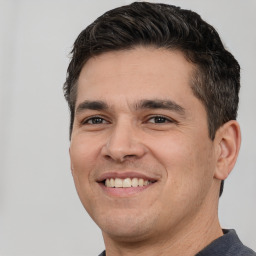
(126, 182)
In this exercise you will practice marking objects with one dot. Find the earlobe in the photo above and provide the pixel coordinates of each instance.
(228, 140)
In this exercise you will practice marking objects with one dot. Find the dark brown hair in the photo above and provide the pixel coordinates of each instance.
(216, 81)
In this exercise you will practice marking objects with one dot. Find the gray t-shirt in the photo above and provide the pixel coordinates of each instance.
(227, 245)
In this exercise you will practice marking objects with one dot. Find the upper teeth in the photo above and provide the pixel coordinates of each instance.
(126, 183)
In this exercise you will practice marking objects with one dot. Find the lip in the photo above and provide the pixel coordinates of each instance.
(123, 175)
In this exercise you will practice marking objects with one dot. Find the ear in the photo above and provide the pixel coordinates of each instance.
(227, 145)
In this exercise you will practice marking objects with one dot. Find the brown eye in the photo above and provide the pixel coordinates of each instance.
(95, 120)
(159, 120)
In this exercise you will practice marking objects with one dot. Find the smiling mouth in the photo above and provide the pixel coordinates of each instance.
(127, 182)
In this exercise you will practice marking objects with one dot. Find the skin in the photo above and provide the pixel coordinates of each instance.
(178, 213)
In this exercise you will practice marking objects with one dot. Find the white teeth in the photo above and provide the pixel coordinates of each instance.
(126, 183)
(107, 183)
(146, 182)
(118, 183)
(141, 182)
(135, 182)
(112, 182)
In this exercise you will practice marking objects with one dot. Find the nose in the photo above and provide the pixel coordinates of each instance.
(123, 143)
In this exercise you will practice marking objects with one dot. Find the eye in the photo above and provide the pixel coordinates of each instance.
(95, 120)
(160, 120)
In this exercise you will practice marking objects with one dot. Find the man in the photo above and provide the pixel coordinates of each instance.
(153, 97)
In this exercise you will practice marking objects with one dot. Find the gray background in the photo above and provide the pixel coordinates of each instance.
(40, 212)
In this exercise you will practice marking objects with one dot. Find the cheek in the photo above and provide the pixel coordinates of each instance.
(187, 161)
(173, 152)
(83, 152)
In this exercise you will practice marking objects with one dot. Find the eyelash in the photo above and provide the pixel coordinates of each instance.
(87, 120)
(103, 120)
(165, 119)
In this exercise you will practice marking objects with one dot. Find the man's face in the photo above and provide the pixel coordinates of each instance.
(139, 129)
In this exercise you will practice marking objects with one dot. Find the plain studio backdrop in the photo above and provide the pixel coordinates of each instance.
(40, 211)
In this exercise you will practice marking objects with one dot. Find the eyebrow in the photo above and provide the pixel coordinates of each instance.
(160, 104)
(142, 104)
(92, 105)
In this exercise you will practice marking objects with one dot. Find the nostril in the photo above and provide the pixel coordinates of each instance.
(120, 149)
(129, 156)
(108, 157)
(120, 158)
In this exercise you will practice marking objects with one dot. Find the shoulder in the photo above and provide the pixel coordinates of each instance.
(227, 245)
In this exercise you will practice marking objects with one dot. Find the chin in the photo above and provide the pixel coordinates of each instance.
(126, 227)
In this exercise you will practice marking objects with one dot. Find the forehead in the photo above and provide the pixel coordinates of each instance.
(140, 72)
